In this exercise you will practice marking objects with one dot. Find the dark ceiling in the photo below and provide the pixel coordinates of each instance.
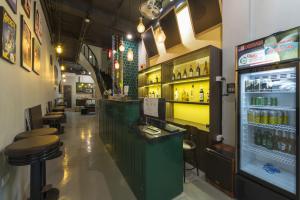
(65, 19)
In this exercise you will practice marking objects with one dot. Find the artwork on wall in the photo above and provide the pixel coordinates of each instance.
(8, 36)
(13, 5)
(84, 88)
(36, 60)
(37, 23)
(25, 45)
(27, 7)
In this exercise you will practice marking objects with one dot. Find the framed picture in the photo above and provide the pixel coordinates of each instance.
(27, 7)
(36, 53)
(13, 5)
(26, 58)
(8, 36)
(37, 23)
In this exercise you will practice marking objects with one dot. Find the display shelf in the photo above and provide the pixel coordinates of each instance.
(284, 179)
(150, 70)
(152, 84)
(281, 108)
(278, 156)
(271, 92)
(187, 102)
(202, 127)
(273, 127)
(189, 80)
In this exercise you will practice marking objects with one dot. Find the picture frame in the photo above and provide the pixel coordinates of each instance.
(36, 56)
(8, 37)
(26, 46)
(37, 23)
(26, 4)
(13, 5)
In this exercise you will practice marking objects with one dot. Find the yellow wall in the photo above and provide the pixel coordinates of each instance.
(192, 113)
(190, 42)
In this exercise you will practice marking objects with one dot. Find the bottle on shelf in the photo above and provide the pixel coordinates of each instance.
(201, 95)
(277, 140)
(269, 142)
(178, 75)
(187, 98)
(184, 74)
(192, 93)
(176, 95)
(198, 70)
(257, 136)
(191, 73)
(205, 69)
(183, 96)
(156, 79)
(291, 145)
(173, 77)
(284, 142)
(207, 94)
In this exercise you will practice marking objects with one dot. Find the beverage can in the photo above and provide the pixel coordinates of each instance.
(266, 101)
(259, 101)
(253, 101)
(264, 117)
(286, 117)
(257, 136)
(273, 119)
(257, 116)
(280, 117)
(250, 115)
(270, 138)
(274, 101)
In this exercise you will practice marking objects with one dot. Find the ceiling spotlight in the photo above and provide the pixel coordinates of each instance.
(64, 76)
(62, 68)
(59, 49)
(90, 73)
(129, 36)
(141, 26)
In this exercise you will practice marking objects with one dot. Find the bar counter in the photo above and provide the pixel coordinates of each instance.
(152, 166)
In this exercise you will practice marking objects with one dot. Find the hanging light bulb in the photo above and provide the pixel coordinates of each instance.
(59, 49)
(130, 55)
(141, 26)
(117, 65)
(64, 76)
(122, 47)
(64, 80)
(161, 36)
(62, 68)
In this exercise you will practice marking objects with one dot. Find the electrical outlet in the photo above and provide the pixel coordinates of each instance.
(219, 78)
(220, 138)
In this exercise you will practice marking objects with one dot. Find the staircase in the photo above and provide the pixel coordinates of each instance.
(104, 80)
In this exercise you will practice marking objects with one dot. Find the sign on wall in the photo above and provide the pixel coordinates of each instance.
(279, 47)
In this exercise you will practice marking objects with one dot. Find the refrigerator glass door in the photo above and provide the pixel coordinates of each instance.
(268, 126)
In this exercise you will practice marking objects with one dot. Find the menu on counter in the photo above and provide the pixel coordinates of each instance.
(151, 107)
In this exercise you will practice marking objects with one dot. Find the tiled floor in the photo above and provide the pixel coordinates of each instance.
(87, 172)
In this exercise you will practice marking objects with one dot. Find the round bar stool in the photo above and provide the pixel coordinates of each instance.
(189, 146)
(54, 121)
(64, 119)
(36, 132)
(58, 109)
(35, 151)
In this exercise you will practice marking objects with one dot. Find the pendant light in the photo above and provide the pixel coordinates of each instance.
(122, 47)
(130, 55)
(161, 36)
(141, 26)
(117, 65)
(59, 49)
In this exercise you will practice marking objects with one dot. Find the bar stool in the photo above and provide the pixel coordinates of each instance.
(35, 151)
(189, 146)
(36, 132)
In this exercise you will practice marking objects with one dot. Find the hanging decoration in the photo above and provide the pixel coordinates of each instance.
(130, 55)
(160, 34)
(122, 47)
(141, 27)
(117, 65)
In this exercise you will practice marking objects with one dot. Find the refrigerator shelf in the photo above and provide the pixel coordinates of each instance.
(284, 179)
(274, 127)
(282, 108)
(271, 92)
(278, 156)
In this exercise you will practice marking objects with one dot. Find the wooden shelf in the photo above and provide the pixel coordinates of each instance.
(187, 102)
(189, 80)
(150, 70)
(181, 122)
(149, 85)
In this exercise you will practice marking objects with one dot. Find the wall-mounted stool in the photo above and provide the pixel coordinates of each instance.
(34, 152)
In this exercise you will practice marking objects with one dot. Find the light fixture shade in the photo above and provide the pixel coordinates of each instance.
(117, 65)
(141, 26)
(122, 47)
(161, 36)
(64, 76)
(62, 68)
(129, 36)
(130, 55)
(59, 49)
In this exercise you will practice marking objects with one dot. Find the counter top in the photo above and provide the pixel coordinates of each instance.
(162, 132)
(121, 100)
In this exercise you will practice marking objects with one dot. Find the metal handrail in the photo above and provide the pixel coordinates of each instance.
(91, 58)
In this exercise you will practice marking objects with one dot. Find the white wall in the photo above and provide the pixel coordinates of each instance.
(21, 89)
(244, 21)
(72, 79)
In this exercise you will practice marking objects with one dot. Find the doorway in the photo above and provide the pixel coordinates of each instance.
(68, 95)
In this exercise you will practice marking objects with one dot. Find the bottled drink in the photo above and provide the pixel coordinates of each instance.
(156, 78)
(273, 119)
(173, 77)
(277, 140)
(264, 117)
(178, 75)
(176, 95)
(274, 101)
(205, 69)
(191, 73)
(253, 101)
(201, 95)
(269, 142)
(184, 74)
(266, 101)
(183, 97)
(257, 136)
(279, 117)
(291, 147)
(250, 115)
(264, 138)
(256, 84)
(257, 116)
(283, 142)
(187, 98)
(198, 70)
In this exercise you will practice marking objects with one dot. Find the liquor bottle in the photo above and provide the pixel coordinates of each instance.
(198, 70)
(184, 74)
(291, 147)
(191, 74)
(156, 78)
(187, 98)
(178, 75)
(201, 95)
(176, 95)
(173, 77)
(192, 93)
(183, 96)
(205, 70)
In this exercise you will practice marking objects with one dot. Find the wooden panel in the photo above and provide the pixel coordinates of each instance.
(149, 41)
(205, 14)
(170, 27)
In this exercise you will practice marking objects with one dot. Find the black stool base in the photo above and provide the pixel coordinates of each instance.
(52, 194)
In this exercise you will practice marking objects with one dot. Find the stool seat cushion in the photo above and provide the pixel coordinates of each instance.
(36, 132)
(52, 117)
(188, 145)
(55, 113)
(31, 146)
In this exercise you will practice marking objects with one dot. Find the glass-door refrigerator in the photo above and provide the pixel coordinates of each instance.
(268, 118)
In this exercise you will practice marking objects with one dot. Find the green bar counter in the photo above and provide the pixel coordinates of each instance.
(152, 166)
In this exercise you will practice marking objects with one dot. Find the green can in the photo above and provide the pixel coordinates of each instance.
(274, 101)
(266, 101)
(259, 101)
